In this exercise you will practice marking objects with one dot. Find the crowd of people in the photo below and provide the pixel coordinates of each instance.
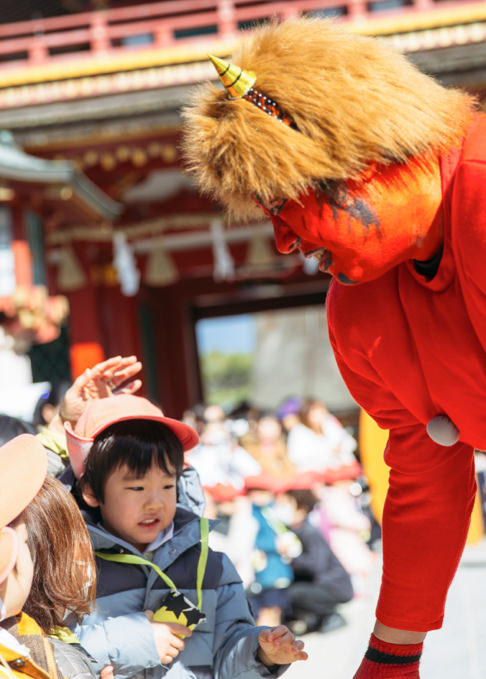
(111, 561)
(259, 470)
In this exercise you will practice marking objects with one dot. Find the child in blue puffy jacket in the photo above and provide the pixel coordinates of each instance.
(166, 604)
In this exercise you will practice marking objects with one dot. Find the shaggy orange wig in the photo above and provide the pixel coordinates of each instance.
(354, 100)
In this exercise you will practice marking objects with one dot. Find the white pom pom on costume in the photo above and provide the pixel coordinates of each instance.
(442, 431)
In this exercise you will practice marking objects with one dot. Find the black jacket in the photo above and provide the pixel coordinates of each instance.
(318, 563)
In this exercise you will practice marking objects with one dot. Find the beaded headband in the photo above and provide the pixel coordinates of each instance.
(239, 85)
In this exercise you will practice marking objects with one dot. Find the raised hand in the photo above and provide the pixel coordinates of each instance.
(278, 646)
(115, 375)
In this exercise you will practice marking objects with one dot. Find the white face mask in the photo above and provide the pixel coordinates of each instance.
(284, 512)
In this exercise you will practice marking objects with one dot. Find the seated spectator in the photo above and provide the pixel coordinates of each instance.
(261, 548)
(320, 580)
(268, 447)
(194, 417)
(243, 419)
(221, 463)
(348, 530)
(288, 413)
(320, 442)
(320, 447)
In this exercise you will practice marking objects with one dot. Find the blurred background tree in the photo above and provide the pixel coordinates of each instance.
(226, 377)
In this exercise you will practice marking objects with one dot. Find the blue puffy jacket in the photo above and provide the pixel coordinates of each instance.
(118, 633)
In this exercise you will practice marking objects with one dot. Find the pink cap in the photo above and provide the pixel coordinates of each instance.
(104, 412)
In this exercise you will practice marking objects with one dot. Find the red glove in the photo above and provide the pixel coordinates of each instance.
(388, 661)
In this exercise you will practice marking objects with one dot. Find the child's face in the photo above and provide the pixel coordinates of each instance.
(261, 497)
(136, 508)
(15, 590)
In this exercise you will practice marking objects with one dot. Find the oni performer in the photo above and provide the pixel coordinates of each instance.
(378, 171)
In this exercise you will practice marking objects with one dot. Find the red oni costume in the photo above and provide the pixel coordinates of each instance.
(410, 349)
(379, 173)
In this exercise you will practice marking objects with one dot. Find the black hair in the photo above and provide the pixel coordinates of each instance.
(305, 498)
(10, 427)
(53, 397)
(135, 443)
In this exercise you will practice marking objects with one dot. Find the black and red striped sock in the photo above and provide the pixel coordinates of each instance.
(385, 660)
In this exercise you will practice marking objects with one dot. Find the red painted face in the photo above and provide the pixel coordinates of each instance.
(358, 230)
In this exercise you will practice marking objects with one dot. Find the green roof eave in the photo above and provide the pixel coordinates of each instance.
(19, 166)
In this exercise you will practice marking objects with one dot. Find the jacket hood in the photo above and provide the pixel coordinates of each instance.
(102, 539)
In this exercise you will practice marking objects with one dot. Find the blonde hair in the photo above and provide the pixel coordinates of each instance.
(354, 100)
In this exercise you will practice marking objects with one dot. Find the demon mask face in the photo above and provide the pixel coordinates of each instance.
(358, 230)
(326, 128)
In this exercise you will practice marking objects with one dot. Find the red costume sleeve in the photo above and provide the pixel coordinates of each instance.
(429, 502)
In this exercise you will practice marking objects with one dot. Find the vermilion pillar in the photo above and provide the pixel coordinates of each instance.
(20, 249)
(85, 330)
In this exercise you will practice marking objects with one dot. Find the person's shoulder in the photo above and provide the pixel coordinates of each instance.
(468, 206)
(187, 527)
(474, 149)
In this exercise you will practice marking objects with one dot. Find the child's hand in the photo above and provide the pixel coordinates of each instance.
(278, 646)
(116, 374)
(169, 638)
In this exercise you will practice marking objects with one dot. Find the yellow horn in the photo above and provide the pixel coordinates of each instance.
(236, 81)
